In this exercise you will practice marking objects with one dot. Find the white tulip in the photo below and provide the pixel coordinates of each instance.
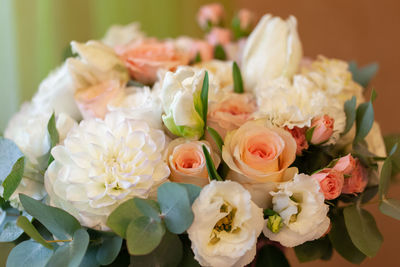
(272, 50)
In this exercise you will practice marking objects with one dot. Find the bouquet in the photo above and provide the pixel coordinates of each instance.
(222, 151)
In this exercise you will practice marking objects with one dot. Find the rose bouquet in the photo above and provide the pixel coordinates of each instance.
(186, 152)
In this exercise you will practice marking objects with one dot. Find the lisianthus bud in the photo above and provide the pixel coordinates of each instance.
(210, 15)
(219, 36)
(274, 223)
(322, 129)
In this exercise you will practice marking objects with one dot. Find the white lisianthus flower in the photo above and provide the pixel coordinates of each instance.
(300, 205)
(272, 50)
(181, 101)
(28, 129)
(103, 163)
(122, 34)
(226, 225)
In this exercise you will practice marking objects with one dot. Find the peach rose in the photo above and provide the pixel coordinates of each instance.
(323, 129)
(210, 15)
(299, 135)
(330, 182)
(93, 101)
(219, 36)
(357, 181)
(345, 164)
(232, 112)
(144, 58)
(187, 163)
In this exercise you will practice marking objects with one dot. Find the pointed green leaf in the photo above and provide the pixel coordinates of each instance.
(309, 134)
(143, 235)
(216, 137)
(350, 110)
(212, 172)
(204, 97)
(384, 181)
(175, 207)
(121, 217)
(12, 181)
(29, 253)
(197, 59)
(53, 134)
(374, 95)
(362, 230)
(237, 79)
(31, 231)
(364, 120)
(71, 253)
(109, 249)
(364, 74)
(219, 52)
(60, 223)
(270, 256)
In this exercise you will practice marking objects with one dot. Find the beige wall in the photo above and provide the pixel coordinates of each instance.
(366, 31)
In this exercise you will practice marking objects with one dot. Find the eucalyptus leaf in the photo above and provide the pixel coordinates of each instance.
(216, 137)
(362, 230)
(121, 217)
(148, 207)
(71, 253)
(175, 207)
(9, 154)
(29, 253)
(363, 75)
(90, 260)
(384, 181)
(219, 52)
(143, 235)
(369, 193)
(192, 190)
(237, 79)
(31, 231)
(9, 231)
(62, 224)
(390, 141)
(109, 250)
(350, 110)
(313, 250)
(212, 172)
(390, 207)
(271, 256)
(13, 180)
(364, 120)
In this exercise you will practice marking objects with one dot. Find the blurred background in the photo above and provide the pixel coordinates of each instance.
(34, 35)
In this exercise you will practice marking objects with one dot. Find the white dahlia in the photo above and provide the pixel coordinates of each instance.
(301, 207)
(104, 163)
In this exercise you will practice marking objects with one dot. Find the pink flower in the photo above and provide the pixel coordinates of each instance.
(93, 101)
(187, 163)
(219, 36)
(345, 164)
(144, 58)
(299, 135)
(357, 181)
(330, 182)
(323, 129)
(246, 18)
(231, 113)
(210, 15)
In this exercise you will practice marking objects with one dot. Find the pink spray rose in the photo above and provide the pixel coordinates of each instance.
(93, 101)
(219, 36)
(299, 135)
(330, 182)
(246, 18)
(345, 164)
(323, 129)
(357, 181)
(144, 58)
(210, 15)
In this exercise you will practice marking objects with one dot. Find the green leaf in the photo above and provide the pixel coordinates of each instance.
(313, 250)
(167, 254)
(204, 98)
(269, 212)
(109, 250)
(143, 235)
(350, 110)
(148, 207)
(309, 134)
(89, 260)
(12, 181)
(57, 221)
(341, 240)
(369, 193)
(29, 253)
(384, 181)
(71, 254)
(9, 154)
(9, 231)
(197, 59)
(271, 256)
(212, 172)
(390, 142)
(188, 259)
(362, 230)
(53, 134)
(30, 230)
(219, 52)
(216, 137)
(364, 120)
(175, 207)
(390, 207)
(192, 190)
(121, 217)
(374, 95)
(237, 79)
(364, 74)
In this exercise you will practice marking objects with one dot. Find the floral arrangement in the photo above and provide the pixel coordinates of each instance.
(186, 152)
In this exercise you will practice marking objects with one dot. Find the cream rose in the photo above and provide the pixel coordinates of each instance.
(226, 225)
(187, 163)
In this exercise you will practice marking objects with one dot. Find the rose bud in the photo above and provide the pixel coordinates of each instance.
(219, 36)
(210, 15)
(357, 181)
(330, 182)
(243, 23)
(322, 128)
(345, 164)
(299, 135)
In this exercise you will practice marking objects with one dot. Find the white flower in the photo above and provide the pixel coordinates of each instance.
(180, 98)
(226, 225)
(28, 129)
(301, 206)
(122, 34)
(272, 50)
(104, 163)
